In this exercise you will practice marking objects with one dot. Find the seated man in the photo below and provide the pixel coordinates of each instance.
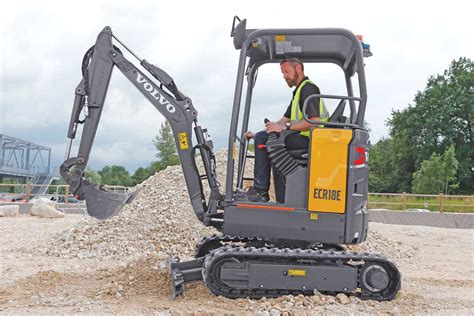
(293, 73)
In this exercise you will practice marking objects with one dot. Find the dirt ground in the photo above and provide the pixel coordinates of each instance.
(436, 266)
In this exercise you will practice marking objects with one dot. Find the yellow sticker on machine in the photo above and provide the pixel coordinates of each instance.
(328, 170)
(183, 141)
(296, 272)
(280, 38)
(314, 216)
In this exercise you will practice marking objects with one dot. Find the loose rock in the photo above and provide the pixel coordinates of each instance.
(44, 210)
(9, 210)
(342, 299)
(275, 312)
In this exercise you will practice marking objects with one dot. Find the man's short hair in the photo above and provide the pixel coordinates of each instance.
(293, 61)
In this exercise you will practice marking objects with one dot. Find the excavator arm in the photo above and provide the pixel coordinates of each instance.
(178, 109)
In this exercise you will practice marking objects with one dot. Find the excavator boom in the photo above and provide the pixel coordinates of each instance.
(178, 109)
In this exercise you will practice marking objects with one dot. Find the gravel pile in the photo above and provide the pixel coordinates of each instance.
(159, 220)
(393, 250)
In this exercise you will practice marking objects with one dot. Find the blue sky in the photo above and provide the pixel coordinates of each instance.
(42, 45)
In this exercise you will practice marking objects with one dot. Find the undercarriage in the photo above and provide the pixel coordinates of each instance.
(237, 267)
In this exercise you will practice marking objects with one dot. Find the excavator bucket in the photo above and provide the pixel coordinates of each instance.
(103, 204)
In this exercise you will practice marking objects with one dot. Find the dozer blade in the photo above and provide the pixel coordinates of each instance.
(103, 204)
(184, 272)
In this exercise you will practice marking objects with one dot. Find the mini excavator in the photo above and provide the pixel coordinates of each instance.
(265, 249)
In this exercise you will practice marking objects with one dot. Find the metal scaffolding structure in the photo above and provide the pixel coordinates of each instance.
(25, 160)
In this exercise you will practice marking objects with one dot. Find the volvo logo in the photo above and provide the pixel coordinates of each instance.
(155, 93)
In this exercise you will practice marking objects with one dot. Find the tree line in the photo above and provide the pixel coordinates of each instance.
(429, 149)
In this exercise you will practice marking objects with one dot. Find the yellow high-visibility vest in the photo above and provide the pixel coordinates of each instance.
(297, 115)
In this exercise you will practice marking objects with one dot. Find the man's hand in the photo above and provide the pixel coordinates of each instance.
(250, 135)
(271, 127)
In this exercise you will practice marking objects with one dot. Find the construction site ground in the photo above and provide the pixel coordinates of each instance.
(436, 266)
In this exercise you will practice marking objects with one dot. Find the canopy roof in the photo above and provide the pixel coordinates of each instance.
(323, 45)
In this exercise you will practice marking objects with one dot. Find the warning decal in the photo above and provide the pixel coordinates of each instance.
(183, 141)
(284, 47)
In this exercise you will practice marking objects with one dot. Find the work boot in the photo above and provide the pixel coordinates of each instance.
(256, 195)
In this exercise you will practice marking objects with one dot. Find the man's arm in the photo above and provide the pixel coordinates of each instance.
(283, 120)
(277, 126)
(303, 125)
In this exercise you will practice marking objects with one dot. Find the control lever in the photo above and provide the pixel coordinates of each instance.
(271, 136)
(263, 146)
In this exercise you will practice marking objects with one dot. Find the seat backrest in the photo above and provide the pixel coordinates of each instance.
(337, 116)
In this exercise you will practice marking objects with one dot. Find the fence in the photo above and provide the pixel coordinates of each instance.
(429, 202)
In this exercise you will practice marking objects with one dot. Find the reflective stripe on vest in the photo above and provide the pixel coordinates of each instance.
(297, 115)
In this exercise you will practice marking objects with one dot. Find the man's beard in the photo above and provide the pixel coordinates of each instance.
(293, 81)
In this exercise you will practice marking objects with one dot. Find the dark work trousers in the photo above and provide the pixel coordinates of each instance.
(262, 167)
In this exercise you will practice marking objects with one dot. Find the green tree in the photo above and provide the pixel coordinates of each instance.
(14, 188)
(140, 175)
(156, 166)
(166, 147)
(92, 176)
(115, 175)
(436, 173)
(441, 116)
(450, 169)
(381, 178)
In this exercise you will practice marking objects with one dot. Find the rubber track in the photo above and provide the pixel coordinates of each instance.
(286, 255)
(221, 238)
(213, 239)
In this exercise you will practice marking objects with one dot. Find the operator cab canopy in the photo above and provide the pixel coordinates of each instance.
(315, 45)
(325, 45)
